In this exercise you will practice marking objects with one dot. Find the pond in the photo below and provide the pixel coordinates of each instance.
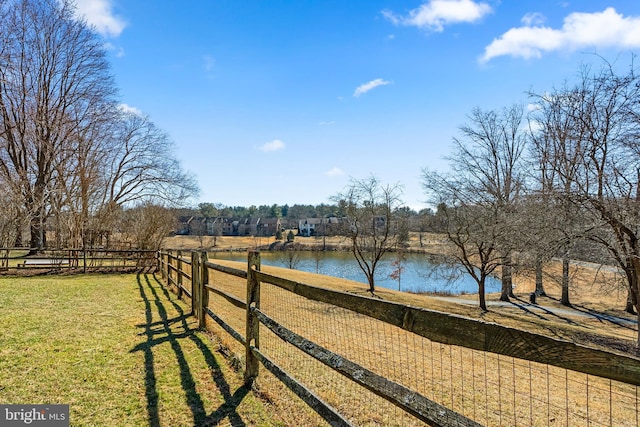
(420, 273)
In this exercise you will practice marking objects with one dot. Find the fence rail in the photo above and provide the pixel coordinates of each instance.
(435, 368)
(77, 259)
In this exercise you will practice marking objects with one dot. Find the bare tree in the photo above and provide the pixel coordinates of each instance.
(318, 256)
(80, 179)
(480, 197)
(54, 73)
(10, 217)
(126, 161)
(66, 148)
(289, 257)
(371, 226)
(473, 229)
(604, 111)
(610, 117)
(142, 166)
(397, 267)
(558, 151)
(147, 225)
(198, 228)
(539, 225)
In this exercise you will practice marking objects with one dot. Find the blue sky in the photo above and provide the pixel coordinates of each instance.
(284, 101)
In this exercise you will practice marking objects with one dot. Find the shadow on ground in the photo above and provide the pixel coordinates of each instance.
(175, 331)
(545, 312)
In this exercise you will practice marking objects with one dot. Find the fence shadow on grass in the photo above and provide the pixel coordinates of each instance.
(174, 331)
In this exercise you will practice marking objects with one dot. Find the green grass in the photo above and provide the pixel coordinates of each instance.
(120, 350)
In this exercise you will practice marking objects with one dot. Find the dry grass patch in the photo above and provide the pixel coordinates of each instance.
(576, 325)
(494, 390)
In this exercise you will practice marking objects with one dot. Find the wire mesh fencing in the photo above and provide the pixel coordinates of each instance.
(488, 388)
(483, 388)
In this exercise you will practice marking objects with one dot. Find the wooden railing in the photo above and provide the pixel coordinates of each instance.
(78, 259)
(190, 276)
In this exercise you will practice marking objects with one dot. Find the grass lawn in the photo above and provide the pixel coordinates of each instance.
(120, 350)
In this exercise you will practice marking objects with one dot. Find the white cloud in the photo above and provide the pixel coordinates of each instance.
(533, 107)
(98, 13)
(606, 29)
(274, 145)
(129, 109)
(335, 171)
(366, 87)
(435, 14)
(534, 18)
(118, 51)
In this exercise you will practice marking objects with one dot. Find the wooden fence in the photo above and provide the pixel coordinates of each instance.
(77, 259)
(190, 277)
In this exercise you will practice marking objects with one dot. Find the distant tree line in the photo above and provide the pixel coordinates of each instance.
(73, 160)
(425, 220)
(296, 211)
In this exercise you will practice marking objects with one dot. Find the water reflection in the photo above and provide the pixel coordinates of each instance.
(420, 273)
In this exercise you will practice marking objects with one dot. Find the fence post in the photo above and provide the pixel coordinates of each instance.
(165, 265)
(203, 292)
(169, 265)
(252, 323)
(179, 274)
(163, 259)
(195, 278)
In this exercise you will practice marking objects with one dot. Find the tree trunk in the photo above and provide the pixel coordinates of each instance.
(18, 242)
(631, 303)
(564, 300)
(37, 232)
(372, 287)
(539, 286)
(481, 295)
(34, 205)
(638, 322)
(507, 279)
(511, 294)
(633, 288)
